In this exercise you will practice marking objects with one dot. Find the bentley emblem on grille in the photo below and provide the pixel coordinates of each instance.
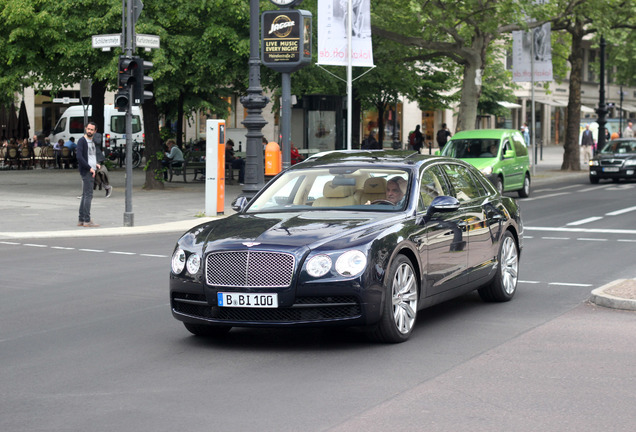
(250, 244)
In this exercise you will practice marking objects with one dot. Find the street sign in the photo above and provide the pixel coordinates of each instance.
(106, 41)
(66, 100)
(146, 41)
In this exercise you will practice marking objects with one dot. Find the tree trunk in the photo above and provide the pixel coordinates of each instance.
(381, 108)
(571, 154)
(471, 86)
(154, 177)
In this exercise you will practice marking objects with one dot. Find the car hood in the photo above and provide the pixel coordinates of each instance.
(480, 163)
(289, 230)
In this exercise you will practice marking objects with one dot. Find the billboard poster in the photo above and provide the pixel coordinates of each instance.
(332, 33)
(286, 39)
(523, 49)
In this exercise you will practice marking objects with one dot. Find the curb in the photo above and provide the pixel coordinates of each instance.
(601, 296)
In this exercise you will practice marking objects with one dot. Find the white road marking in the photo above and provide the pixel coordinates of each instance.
(10, 243)
(620, 212)
(35, 245)
(584, 221)
(62, 248)
(81, 250)
(582, 230)
(154, 256)
(555, 238)
(591, 239)
(91, 250)
(545, 196)
(529, 282)
(122, 253)
(627, 240)
(569, 284)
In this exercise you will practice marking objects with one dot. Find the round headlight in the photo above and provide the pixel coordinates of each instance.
(178, 261)
(351, 263)
(593, 162)
(193, 264)
(318, 265)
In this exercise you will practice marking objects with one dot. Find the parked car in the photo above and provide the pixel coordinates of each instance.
(500, 154)
(349, 238)
(617, 160)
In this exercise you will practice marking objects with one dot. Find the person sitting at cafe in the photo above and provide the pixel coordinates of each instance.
(235, 162)
(174, 157)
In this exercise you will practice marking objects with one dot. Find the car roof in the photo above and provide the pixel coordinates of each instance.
(406, 159)
(483, 133)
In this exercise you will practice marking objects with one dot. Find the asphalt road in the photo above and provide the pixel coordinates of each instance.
(87, 343)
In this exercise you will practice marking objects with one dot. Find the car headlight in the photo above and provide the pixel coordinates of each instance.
(630, 162)
(593, 162)
(351, 263)
(486, 171)
(178, 261)
(318, 265)
(193, 264)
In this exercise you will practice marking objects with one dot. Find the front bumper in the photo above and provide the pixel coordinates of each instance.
(623, 173)
(309, 305)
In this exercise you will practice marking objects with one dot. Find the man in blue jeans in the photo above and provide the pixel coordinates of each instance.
(87, 162)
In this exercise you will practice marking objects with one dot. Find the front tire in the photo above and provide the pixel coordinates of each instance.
(499, 185)
(207, 330)
(594, 180)
(400, 305)
(504, 285)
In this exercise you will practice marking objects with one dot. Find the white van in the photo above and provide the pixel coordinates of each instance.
(71, 124)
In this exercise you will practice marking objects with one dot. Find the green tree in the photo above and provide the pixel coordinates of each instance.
(462, 32)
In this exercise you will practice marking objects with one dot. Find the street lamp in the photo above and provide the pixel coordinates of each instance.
(254, 103)
(602, 108)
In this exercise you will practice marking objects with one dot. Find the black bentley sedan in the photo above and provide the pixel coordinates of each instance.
(617, 160)
(349, 238)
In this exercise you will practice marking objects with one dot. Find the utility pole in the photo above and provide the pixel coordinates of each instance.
(602, 108)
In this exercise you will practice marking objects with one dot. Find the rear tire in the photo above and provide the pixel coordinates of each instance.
(400, 305)
(504, 285)
(207, 330)
(525, 191)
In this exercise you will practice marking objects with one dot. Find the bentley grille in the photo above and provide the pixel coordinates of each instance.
(250, 269)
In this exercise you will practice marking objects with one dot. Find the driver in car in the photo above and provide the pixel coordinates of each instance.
(395, 190)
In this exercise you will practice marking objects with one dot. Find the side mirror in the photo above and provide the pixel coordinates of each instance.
(437, 153)
(240, 204)
(442, 204)
(509, 154)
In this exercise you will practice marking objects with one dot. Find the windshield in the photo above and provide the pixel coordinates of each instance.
(351, 188)
(472, 148)
(617, 147)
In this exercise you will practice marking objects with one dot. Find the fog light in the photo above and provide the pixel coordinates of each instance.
(630, 172)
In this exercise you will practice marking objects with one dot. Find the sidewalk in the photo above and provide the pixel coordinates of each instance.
(44, 202)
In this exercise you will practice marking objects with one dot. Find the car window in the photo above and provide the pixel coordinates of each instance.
(620, 147)
(432, 184)
(61, 125)
(118, 124)
(362, 189)
(465, 186)
(472, 148)
(519, 145)
(76, 125)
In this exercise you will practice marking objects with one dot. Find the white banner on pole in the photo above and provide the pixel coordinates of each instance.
(522, 54)
(332, 33)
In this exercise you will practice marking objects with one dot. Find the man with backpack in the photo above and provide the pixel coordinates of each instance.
(416, 139)
(442, 136)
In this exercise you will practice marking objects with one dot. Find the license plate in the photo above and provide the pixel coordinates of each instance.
(611, 169)
(247, 300)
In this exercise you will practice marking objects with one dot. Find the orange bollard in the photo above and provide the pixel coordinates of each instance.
(273, 159)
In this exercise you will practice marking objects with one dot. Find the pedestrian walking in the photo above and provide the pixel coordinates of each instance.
(419, 139)
(587, 143)
(442, 136)
(525, 130)
(87, 162)
(629, 131)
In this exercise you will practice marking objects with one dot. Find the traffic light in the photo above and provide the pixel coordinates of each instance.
(125, 80)
(140, 95)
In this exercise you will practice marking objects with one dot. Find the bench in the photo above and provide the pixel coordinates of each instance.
(194, 163)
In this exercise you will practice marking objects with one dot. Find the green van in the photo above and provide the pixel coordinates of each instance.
(500, 154)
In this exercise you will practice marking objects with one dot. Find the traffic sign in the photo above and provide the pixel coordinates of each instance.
(146, 41)
(106, 41)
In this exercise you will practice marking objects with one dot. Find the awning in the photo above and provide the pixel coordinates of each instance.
(508, 105)
(627, 107)
(555, 102)
(587, 109)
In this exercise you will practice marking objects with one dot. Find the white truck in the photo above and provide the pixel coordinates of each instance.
(71, 124)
